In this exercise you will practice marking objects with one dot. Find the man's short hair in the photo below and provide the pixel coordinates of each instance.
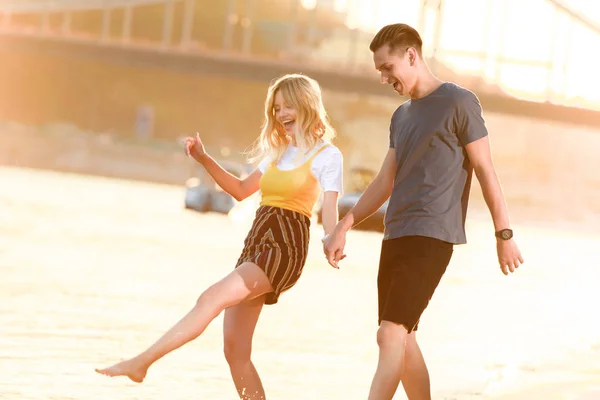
(397, 36)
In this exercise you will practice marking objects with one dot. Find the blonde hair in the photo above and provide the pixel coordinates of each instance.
(312, 123)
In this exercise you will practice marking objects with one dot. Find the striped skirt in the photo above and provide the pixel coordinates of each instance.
(278, 244)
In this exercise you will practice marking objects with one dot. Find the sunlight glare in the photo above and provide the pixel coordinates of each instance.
(527, 47)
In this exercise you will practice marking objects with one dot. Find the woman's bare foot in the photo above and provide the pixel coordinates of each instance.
(133, 369)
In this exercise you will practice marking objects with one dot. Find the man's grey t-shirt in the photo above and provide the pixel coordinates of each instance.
(433, 172)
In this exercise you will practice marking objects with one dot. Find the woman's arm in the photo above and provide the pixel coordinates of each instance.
(238, 188)
(329, 210)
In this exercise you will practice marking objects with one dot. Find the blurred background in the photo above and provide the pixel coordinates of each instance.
(98, 203)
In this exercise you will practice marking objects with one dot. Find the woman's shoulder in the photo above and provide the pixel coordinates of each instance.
(329, 156)
(328, 149)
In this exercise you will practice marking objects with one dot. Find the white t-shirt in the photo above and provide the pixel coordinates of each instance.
(327, 166)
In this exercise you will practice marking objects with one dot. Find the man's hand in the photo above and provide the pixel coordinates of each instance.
(333, 246)
(509, 255)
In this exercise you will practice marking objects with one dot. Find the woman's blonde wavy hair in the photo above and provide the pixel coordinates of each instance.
(312, 123)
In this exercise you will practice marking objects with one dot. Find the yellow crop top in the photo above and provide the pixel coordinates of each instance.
(296, 189)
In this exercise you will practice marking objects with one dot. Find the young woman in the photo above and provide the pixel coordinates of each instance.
(298, 162)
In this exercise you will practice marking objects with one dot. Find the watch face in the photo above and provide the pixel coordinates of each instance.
(506, 235)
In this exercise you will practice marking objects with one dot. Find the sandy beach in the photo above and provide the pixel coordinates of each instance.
(94, 269)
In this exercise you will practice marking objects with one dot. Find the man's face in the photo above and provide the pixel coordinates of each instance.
(397, 68)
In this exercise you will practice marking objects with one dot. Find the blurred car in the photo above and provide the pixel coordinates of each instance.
(204, 195)
(360, 178)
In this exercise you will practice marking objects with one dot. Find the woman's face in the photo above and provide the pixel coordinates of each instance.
(285, 114)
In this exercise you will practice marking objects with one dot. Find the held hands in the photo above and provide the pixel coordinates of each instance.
(333, 246)
(194, 147)
(509, 256)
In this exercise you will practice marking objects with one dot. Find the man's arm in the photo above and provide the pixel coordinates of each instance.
(370, 201)
(378, 191)
(479, 154)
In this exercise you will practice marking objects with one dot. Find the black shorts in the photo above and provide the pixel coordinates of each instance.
(410, 269)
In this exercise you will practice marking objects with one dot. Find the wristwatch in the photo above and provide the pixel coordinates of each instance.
(324, 238)
(504, 234)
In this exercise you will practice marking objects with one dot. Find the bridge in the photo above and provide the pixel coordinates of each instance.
(251, 41)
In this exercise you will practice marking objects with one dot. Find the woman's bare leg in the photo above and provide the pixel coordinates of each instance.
(238, 330)
(245, 282)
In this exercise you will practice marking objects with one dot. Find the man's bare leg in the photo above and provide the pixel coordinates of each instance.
(245, 282)
(238, 329)
(391, 338)
(415, 377)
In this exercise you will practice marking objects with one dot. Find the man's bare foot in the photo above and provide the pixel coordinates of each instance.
(133, 369)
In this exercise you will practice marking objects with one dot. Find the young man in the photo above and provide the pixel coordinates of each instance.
(437, 138)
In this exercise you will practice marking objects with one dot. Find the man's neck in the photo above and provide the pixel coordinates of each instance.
(426, 84)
